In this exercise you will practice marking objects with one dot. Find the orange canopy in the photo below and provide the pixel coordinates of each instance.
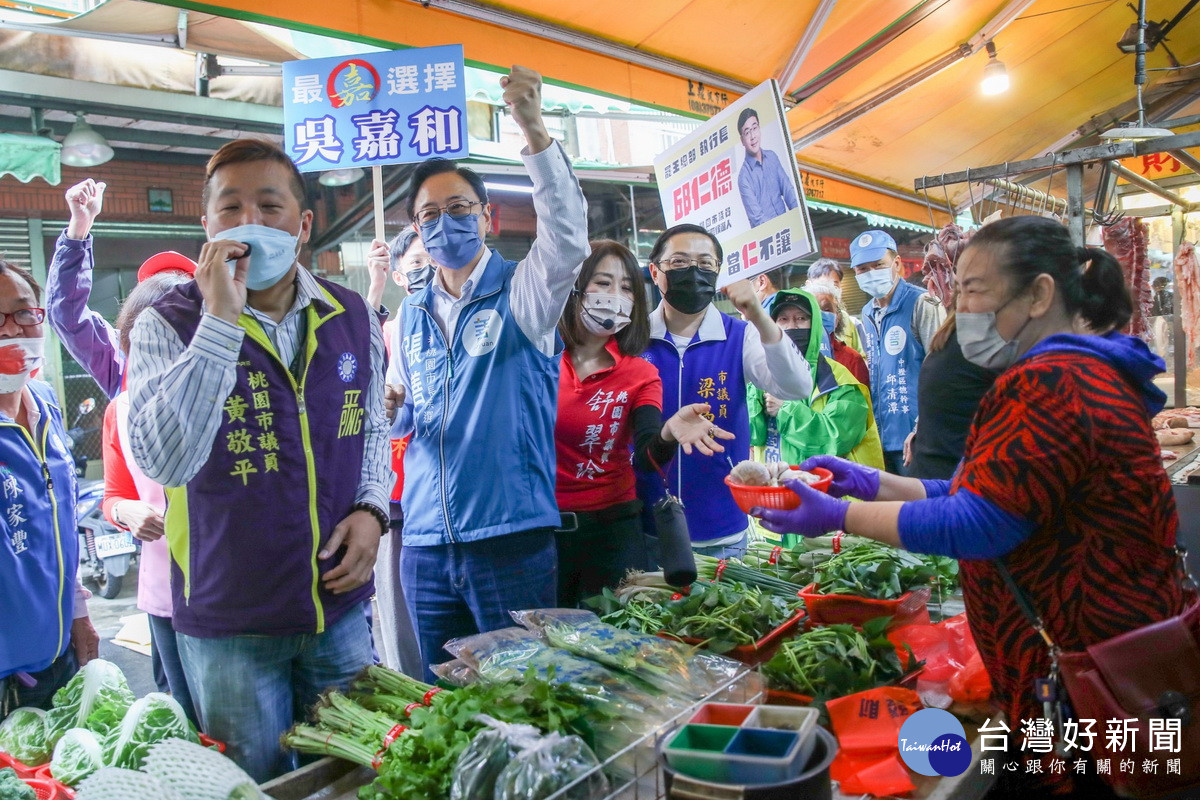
(887, 90)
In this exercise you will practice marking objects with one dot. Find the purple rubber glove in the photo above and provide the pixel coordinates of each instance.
(849, 479)
(817, 515)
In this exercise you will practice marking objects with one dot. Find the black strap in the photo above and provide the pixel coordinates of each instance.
(1025, 604)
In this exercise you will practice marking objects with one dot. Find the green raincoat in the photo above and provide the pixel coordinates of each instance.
(836, 420)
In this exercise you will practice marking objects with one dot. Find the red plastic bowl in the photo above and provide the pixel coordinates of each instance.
(748, 497)
(22, 771)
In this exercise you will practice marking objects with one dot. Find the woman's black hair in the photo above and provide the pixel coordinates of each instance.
(1089, 279)
(633, 339)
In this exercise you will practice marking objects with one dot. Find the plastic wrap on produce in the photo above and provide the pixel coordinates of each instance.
(1126, 240)
(1187, 290)
(455, 672)
(664, 664)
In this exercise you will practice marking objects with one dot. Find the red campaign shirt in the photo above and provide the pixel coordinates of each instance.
(594, 428)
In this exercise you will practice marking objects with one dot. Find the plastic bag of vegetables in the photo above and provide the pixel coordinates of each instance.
(549, 765)
(77, 755)
(662, 663)
(23, 736)
(152, 719)
(487, 755)
(96, 698)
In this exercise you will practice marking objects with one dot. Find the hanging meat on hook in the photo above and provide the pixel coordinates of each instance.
(1187, 290)
(1126, 240)
(941, 255)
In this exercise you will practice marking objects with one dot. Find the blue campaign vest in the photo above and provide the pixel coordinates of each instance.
(894, 357)
(39, 551)
(283, 471)
(481, 460)
(700, 376)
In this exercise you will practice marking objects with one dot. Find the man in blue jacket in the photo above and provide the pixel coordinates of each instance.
(478, 365)
(705, 356)
(900, 320)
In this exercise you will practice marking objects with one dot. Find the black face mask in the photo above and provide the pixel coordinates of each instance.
(800, 337)
(691, 289)
(419, 278)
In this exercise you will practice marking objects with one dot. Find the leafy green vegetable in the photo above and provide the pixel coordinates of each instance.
(13, 788)
(722, 615)
(837, 660)
(96, 698)
(420, 762)
(23, 736)
(152, 719)
(882, 573)
(550, 765)
(77, 755)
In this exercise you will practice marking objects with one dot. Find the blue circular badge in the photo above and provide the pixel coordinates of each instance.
(933, 742)
(347, 367)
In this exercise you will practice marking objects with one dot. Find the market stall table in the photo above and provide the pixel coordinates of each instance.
(334, 779)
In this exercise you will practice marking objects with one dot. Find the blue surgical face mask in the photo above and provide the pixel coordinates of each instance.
(877, 282)
(272, 253)
(452, 242)
(828, 321)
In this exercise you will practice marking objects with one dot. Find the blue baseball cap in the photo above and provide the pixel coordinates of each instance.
(870, 246)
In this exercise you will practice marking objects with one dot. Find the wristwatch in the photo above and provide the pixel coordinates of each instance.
(376, 512)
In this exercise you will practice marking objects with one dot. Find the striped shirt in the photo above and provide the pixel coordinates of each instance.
(176, 393)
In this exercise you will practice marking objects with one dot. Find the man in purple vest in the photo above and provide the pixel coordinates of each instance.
(257, 399)
(705, 356)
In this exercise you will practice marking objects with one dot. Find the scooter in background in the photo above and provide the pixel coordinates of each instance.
(105, 551)
(83, 439)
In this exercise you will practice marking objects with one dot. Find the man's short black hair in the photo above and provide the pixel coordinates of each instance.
(776, 276)
(436, 166)
(744, 117)
(661, 243)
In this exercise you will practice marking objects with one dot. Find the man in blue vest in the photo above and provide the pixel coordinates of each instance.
(478, 365)
(705, 356)
(257, 399)
(900, 320)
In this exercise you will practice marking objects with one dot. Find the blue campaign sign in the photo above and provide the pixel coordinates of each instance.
(376, 108)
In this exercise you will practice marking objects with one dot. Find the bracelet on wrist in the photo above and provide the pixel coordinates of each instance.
(376, 512)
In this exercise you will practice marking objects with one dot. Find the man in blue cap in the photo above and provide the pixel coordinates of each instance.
(899, 321)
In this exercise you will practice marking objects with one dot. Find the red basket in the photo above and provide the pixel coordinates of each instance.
(22, 771)
(45, 790)
(909, 608)
(207, 742)
(748, 497)
(760, 651)
(43, 773)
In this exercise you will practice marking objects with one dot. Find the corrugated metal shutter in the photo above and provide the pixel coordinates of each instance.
(14, 241)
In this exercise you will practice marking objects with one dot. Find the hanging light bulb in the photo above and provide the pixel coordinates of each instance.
(995, 74)
(83, 147)
(340, 177)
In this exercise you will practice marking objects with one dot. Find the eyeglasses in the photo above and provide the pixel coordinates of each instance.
(24, 316)
(459, 208)
(707, 263)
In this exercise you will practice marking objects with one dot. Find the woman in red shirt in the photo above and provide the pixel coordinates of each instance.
(609, 398)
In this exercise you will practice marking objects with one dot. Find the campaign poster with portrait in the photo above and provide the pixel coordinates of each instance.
(736, 176)
(373, 109)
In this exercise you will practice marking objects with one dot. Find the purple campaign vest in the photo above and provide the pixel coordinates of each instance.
(709, 372)
(284, 469)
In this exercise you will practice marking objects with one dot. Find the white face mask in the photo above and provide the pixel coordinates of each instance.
(877, 282)
(982, 343)
(18, 358)
(272, 253)
(604, 314)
